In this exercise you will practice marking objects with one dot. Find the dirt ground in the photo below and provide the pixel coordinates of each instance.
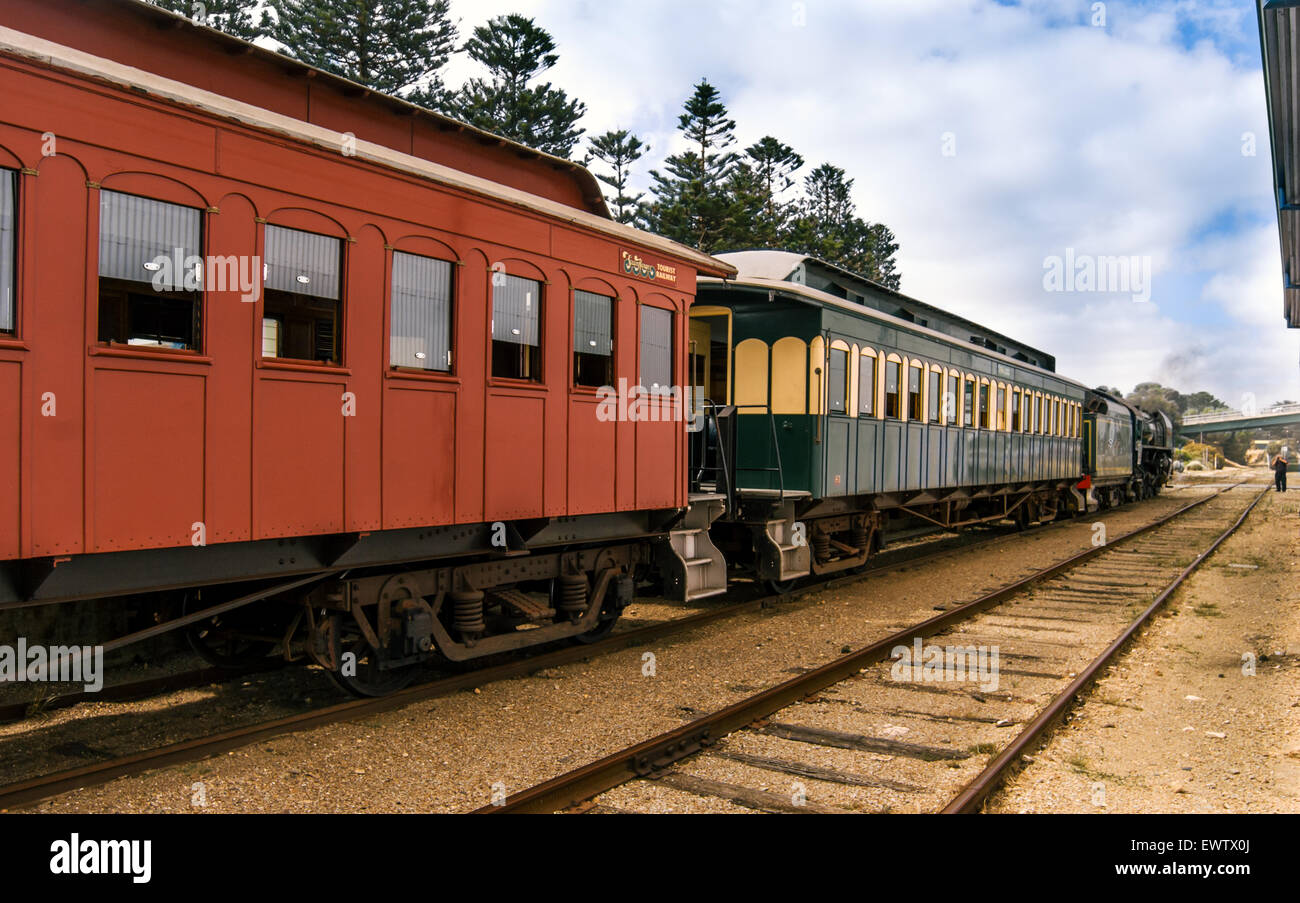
(1202, 713)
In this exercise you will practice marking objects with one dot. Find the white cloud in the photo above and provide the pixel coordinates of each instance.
(1115, 141)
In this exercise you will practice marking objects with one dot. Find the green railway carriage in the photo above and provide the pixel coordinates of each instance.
(853, 415)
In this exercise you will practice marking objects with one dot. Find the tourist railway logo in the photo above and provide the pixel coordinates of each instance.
(633, 265)
(56, 664)
(921, 663)
(103, 857)
(1106, 274)
(656, 404)
(191, 273)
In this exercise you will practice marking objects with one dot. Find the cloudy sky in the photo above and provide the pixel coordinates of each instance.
(1127, 137)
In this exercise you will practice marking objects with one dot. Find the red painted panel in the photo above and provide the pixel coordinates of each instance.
(89, 117)
(591, 459)
(147, 466)
(130, 35)
(297, 457)
(512, 481)
(656, 464)
(55, 325)
(419, 457)
(10, 460)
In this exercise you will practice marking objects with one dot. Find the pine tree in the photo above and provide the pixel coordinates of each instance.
(388, 45)
(828, 227)
(515, 51)
(693, 203)
(757, 187)
(234, 17)
(619, 150)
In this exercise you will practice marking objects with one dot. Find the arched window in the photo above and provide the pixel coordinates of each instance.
(867, 384)
(893, 401)
(837, 380)
(150, 272)
(915, 411)
(935, 389)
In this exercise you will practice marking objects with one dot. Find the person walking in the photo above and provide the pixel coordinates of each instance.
(1279, 471)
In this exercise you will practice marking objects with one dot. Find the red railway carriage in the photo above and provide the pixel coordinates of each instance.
(282, 329)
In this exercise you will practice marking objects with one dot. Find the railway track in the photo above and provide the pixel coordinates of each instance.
(911, 553)
(33, 789)
(948, 739)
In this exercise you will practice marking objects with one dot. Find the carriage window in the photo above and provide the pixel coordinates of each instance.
(150, 273)
(303, 296)
(1015, 410)
(1002, 408)
(892, 399)
(867, 384)
(936, 384)
(837, 381)
(984, 406)
(421, 331)
(1056, 417)
(656, 348)
(593, 339)
(516, 327)
(968, 405)
(8, 259)
(914, 409)
(1044, 422)
(950, 401)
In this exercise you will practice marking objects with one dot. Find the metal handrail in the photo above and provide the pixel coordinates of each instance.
(1220, 416)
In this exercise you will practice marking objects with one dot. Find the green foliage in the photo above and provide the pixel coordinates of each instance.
(692, 203)
(618, 150)
(828, 227)
(388, 45)
(758, 185)
(234, 17)
(515, 51)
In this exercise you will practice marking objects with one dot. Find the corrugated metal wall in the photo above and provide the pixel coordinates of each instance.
(421, 312)
(8, 199)
(656, 347)
(134, 231)
(515, 305)
(293, 256)
(593, 324)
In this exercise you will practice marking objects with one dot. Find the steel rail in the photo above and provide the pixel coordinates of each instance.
(17, 711)
(43, 786)
(644, 758)
(988, 780)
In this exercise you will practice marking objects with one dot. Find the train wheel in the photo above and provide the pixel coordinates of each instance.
(783, 587)
(599, 632)
(360, 675)
(224, 640)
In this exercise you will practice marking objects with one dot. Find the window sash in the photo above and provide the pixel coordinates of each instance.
(893, 374)
(293, 256)
(516, 310)
(954, 389)
(867, 384)
(421, 312)
(936, 387)
(593, 324)
(135, 231)
(8, 257)
(837, 390)
(656, 348)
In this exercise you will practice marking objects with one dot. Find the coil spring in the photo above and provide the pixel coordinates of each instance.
(858, 537)
(821, 545)
(467, 612)
(572, 594)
